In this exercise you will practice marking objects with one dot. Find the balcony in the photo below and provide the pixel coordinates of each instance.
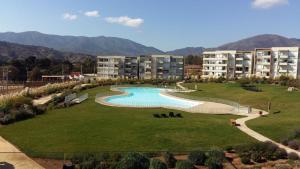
(238, 71)
(214, 64)
(283, 56)
(283, 71)
(265, 70)
(223, 58)
(283, 63)
(239, 59)
(239, 65)
(265, 63)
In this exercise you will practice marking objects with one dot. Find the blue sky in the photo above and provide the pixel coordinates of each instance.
(164, 24)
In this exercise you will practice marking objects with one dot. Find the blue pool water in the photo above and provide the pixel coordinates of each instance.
(149, 97)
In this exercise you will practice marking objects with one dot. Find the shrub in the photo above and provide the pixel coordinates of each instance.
(86, 161)
(257, 156)
(184, 165)
(246, 159)
(229, 149)
(169, 159)
(157, 164)
(280, 153)
(294, 144)
(269, 153)
(293, 156)
(7, 119)
(133, 161)
(40, 109)
(284, 141)
(171, 114)
(197, 157)
(215, 159)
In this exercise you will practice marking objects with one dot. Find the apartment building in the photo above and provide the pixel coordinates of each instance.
(264, 63)
(110, 67)
(277, 61)
(243, 64)
(219, 64)
(141, 67)
(286, 62)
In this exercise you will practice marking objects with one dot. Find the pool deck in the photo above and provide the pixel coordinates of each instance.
(202, 107)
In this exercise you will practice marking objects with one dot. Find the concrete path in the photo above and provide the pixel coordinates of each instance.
(45, 99)
(180, 86)
(244, 128)
(11, 157)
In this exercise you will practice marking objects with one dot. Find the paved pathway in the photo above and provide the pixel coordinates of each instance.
(243, 127)
(11, 157)
(45, 99)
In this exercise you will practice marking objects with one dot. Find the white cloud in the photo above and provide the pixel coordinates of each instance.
(92, 13)
(126, 21)
(265, 4)
(68, 16)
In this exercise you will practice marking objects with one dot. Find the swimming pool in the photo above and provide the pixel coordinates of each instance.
(149, 97)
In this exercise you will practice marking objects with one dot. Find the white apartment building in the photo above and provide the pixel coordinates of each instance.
(219, 64)
(264, 63)
(277, 61)
(286, 62)
(110, 67)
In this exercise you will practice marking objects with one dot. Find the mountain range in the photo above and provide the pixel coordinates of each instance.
(75, 48)
(9, 51)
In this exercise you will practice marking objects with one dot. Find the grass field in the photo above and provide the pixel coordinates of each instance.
(276, 125)
(91, 127)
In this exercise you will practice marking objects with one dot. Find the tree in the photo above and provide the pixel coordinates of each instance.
(35, 74)
(30, 62)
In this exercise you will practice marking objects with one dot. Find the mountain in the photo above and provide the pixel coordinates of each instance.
(261, 41)
(9, 51)
(79, 44)
(187, 51)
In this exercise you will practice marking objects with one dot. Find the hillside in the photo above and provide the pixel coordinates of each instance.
(100, 45)
(9, 51)
(261, 41)
(187, 51)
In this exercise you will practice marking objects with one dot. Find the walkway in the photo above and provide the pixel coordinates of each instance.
(11, 157)
(244, 128)
(45, 99)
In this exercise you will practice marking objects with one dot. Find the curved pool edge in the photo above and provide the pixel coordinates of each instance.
(226, 109)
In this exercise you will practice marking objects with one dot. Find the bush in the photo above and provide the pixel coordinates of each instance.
(257, 156)
(86, 161)
(157, 164)
(215, 159)
(294, 144)
(246, 159)
(133, 161)
(40, 109)
(229, 149)
(184, 165)
(7, 119)
(293, 156)
(280, 153)
(197, 157)
(284, 141)
(269, 153)
(169, 159)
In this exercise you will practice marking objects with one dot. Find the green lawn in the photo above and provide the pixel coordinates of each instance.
(275, 126)
(91, 127)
